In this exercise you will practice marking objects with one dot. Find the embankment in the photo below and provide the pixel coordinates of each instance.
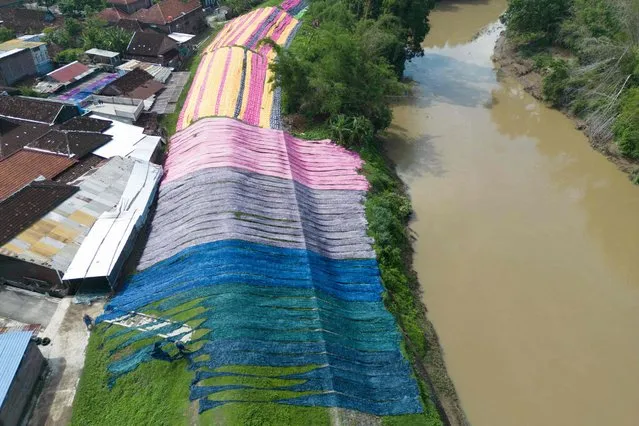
(514, 64)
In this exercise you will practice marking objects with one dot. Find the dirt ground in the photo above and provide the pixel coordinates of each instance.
(513, 64)
(65, 356)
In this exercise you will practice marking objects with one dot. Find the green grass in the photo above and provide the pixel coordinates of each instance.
(157, 393)
(266, 414)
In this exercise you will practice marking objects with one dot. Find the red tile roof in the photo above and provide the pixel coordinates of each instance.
(112, 15)
(68, 72)
(24, 166)
(166, 11)
(29, 204)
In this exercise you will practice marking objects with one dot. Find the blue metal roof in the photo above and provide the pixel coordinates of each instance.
(12, 347)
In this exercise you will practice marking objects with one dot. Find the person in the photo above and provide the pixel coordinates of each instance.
(88, 321)
(157, 351)
(181, 348)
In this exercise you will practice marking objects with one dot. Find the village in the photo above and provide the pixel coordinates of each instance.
(81, 148)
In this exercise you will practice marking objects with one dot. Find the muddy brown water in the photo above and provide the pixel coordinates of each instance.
(527, 240)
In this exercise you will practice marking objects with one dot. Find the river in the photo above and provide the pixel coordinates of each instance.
(527, 240)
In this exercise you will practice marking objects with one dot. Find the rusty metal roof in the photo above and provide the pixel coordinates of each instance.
(24, 166)
(29, 204)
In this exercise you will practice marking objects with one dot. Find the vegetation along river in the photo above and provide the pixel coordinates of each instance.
(527, 240)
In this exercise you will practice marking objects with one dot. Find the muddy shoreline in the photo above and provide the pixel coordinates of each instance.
(509, 62)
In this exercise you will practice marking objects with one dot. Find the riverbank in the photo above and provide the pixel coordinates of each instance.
(513, 63)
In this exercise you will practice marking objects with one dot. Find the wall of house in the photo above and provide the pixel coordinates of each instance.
(16, 67)
(30, 276)
(21, 390)
(41, 59)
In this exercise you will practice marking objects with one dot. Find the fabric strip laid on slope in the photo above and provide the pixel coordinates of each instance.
(230, 203)
(256, 298)
(220, 142)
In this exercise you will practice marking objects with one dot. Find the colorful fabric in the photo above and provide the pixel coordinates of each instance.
(259, 246)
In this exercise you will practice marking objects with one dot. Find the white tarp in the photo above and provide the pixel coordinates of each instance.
(128, 141)
(111, 239)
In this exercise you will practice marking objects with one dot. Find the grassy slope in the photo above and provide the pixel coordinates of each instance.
(136, 398)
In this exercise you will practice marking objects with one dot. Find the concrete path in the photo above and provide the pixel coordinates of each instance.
(26, 306)
(65, 355)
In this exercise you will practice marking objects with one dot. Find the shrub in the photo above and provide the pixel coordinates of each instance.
(626, 127)
(556, 82)
(68, 55)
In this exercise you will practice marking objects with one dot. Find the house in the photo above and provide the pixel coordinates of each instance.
(136, 84)
(106, 57)
(129, 6)
(49, 221)
(70, 73)
(152, 47)
(36, 110)
(27, 21)
(120, 19)
(38, 50)
(22, 366)
(125, 110)
(15, 64)
(168, 16)
(64, 76)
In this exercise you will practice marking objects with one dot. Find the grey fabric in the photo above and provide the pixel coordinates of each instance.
(228, 203)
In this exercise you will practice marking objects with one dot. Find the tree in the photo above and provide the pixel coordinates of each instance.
(536, 19)
(78, 8)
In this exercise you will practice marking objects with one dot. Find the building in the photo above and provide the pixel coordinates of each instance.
(125, 110)
(105, 57)
(136, 84)
(22, 366)
(25, 21)
(15, 65)
(36, 110)
(64, 76)
(39, 243)
(38, 50)
(166, 16)
(129, 6)
(152, 47)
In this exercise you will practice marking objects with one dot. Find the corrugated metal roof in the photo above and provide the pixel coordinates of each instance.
(12, 348)
(54, 240)
(24, 166)
(70, 72)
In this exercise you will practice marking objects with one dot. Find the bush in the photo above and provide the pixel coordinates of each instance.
(626, 128)
(6, 34)
(556, 82)
(68, 55)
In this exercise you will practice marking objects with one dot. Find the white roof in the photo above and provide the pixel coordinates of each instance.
(101, 52)
(128, 141)
(181, 37)
(111, 238)
(5, 53)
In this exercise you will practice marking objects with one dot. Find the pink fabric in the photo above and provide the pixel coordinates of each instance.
(222, 83)
(289, 4)
(259, 66)
(224, 142)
